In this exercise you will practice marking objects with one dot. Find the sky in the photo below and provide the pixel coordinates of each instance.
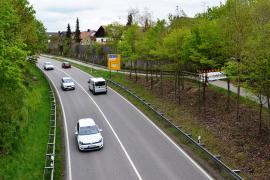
(56, 14)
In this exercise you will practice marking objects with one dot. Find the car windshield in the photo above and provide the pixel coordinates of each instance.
(100, 83)
(66, 63)
(87, 130)
(67, 80)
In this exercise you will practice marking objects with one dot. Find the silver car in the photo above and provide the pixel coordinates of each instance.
(48, 66)
(88, 135)
(67, 83)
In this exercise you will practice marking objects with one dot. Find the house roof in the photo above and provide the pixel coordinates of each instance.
(100, 32)
(85, 34)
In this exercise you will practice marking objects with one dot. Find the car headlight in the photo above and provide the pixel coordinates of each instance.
(80, 142)
(99, 141)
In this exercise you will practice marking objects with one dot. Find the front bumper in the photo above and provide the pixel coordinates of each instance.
(89, 147)
(69, 88)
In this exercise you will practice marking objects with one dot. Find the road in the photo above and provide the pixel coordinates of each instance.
(218, 83)
(134, 148)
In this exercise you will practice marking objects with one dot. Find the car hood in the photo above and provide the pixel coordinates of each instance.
(86, 139)
(49, 65)
(69, 84)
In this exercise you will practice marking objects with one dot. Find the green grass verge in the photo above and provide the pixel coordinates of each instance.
(28, 160)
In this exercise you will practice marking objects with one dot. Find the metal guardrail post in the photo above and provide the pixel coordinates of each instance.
(215, 158)
(50, 153)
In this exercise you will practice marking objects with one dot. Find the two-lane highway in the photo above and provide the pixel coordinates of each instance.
(134, 148)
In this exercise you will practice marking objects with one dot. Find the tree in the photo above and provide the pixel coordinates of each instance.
(129, 19)
(236, 26)
(257, 62)
(128, 45)
(67, 42)
(68, 34)
(77, 36)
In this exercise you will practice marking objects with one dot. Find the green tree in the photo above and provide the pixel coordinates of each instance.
(236, 29)
(77, 36)
(127, 46)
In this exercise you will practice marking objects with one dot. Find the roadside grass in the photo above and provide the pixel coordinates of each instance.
(28, 159)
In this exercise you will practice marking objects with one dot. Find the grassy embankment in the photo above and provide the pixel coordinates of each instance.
(28, 159)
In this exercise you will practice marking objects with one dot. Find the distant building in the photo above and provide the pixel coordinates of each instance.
(100, 35)
(87, 37)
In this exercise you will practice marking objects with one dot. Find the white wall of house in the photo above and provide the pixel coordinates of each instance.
(102, 39)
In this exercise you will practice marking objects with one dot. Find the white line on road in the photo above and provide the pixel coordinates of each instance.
(66, 129)
(118, 139)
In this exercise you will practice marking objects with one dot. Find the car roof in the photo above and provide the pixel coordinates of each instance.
(66, 62)
(48, 62)
(86, 122)
(65, 78)
(97, 79)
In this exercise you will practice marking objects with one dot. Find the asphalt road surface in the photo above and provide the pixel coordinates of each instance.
(134, 148)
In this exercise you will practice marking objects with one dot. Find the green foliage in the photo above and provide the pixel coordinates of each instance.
(77, 32)
(128, 45)
(20, 35)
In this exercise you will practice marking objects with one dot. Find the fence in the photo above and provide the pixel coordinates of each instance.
(197, 144)
(50, 154)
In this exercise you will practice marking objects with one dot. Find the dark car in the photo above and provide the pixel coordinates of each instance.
(66, 65)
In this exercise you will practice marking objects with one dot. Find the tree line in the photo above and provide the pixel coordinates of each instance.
(21, 35)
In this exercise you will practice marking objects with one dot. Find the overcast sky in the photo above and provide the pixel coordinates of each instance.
(56, 14)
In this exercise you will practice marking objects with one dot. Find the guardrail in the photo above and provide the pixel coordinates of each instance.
(214, 158)
(50, 154)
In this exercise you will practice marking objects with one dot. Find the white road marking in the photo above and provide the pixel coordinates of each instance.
(163, 133)
(119, 141)
(65, 124)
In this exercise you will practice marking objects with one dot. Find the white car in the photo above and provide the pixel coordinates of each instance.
(67, 83)
(88, 135)
(97, 85)
(48, 66)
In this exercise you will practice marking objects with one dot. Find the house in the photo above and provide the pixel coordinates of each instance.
(100, 35)
(87, 37)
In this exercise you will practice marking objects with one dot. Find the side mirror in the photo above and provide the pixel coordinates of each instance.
(76, 132)
(100, 130)
(88, 81)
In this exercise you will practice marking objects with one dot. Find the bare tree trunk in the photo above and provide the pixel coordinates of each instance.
(151, 79)
(238, 102)
(161, 83)
(268, 105)
(175, 83)
(136, 75)
(179, 89)
(199, 96)
(204, 85)
(229, 94)
(260, 116)
(238, 93)
(130, 71)
(182, 80)
(146, 71)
